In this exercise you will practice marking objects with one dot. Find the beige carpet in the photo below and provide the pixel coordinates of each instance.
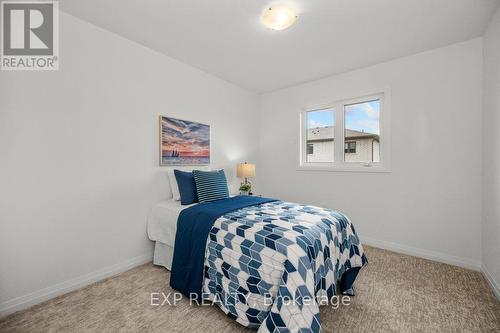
(395, 293)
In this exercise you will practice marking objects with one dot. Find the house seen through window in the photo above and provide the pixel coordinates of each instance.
(362, 130)
(320, 129)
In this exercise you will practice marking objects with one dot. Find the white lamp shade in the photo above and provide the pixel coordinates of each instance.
(245, 170)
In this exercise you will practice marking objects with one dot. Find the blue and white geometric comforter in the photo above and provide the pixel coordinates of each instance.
(271, 265)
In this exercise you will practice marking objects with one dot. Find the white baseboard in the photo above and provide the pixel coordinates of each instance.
(25, 301)
(426, 254)
(492, 282)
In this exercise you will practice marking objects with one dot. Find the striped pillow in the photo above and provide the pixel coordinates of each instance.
(210, 185)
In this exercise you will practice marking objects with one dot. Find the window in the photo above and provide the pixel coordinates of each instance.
(362, 123)
(319, 136)
(363, 143)
(310, 149)
(350, 147)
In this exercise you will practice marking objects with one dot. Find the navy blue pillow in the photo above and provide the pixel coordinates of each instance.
(210, 185)
(187, 187)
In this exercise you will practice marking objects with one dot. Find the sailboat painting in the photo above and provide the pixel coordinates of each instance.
(183, 142)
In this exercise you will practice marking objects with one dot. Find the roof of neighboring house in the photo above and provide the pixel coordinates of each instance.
(326, 134)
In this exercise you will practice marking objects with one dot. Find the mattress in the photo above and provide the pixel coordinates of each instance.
(162, 221)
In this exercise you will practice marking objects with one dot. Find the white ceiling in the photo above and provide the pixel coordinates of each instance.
(225, 37)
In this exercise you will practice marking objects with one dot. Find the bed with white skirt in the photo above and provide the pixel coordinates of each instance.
(162, 219)
(235, 249)
(162, 226)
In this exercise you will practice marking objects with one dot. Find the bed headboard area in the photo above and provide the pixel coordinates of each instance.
(232, 180)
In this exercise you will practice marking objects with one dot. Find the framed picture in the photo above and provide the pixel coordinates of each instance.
(183, 142)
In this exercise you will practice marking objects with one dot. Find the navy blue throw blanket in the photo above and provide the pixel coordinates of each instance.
(193, 226)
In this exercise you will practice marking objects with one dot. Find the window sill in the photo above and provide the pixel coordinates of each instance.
(356, 168)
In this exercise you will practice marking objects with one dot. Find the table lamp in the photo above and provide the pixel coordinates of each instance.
(245, 170)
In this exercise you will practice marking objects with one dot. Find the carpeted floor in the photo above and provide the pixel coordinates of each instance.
(395, 293)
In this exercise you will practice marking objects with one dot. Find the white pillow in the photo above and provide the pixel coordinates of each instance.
(173, 185)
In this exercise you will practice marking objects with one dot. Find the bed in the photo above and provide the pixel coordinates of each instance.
(162, 227)
(266, 263)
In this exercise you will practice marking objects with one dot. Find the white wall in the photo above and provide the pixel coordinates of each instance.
(79, 157)
(491, 154)
(430, 204)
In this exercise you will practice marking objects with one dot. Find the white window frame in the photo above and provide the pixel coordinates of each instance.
(339, 143)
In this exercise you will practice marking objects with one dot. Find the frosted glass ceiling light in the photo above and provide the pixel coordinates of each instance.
(278, 17)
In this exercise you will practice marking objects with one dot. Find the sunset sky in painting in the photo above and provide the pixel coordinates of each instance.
(186, 137)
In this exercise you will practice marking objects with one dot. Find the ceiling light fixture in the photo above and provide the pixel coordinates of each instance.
(278, 17)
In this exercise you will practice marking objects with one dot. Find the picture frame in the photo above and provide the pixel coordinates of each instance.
(183, 142)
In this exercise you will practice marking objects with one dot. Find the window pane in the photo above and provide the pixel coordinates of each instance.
(320, 128)
(350, 147)
(362, 132)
